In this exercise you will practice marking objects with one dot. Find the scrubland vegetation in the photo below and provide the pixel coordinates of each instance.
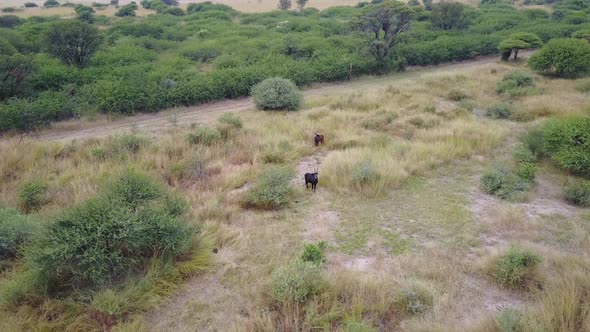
(449, 198)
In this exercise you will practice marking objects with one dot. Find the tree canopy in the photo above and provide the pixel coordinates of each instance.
(518, 41)
(385, 21)
(73, 42)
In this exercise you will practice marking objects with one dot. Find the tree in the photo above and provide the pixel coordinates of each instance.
(14, 71)
(565, 57)
(115, 3)
(10, 21)
(448, 15)
(284, 4)
(385, 21)
(170, 2)
(85, 13)
(73, 42)
(427, 4)
(301, 4)
(518, 41)
(127, 10)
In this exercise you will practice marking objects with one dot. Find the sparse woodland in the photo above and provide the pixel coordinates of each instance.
(450, 197)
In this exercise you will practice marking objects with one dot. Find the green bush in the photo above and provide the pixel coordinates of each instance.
(415, 299)
(297, 282)
(277, 94)
(50, 3)
(314, 253)
(271, 190)
(516, 268)
(127, 10)
(30, 5)
(32, 196)
(527, 171)
(524, 155)
(365, 174)
(15, 231)
(515, 84)
(205, 136)
(563, 57)
(578, 193)
(504, 183)
(231, 119)
(499, 111)
(105, 239)
(567, 142)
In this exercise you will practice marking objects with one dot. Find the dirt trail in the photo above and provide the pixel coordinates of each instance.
(208, 113)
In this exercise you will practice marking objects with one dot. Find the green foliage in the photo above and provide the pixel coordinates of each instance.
(385, 21)
(516, 83)
(567, 142)
(500, 111)
(516, 268)
(297, 282)
(15, 231)
(105, 238)
(508, 184)
(30, 5)
(10, 21)
(277, 94)
(73, 42)
(272, 189)
(519, 41)
(32, 196)
(85, 13)
(50, 4)
(578, 193)
(364, 175)
(314, 253)
(205, 136)
(284, 4)
(229, 123)
(582, 34)
(562, 57)
(15, 70)
(127, 10)
(448, 16)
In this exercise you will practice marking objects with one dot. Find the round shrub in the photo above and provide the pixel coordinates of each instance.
(9, 21)
(567, 142)
(277, 94)
(50, 4)
(314, 253)
(32, 196)
(516, 268)
(15, 230)
(563, 57)
(30, 5)
(204, 136)
(297, 282)
(271, 191)
(106, 238)
(578, 193)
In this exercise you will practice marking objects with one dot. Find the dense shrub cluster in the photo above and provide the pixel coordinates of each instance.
(15, 230)
(271, 190)
(508, 183)
(214, 52)
(516, 84)
(566, 142)
(103, 239)
(563, 57)
(578, 193)
(516, 268)
(297, 282)
(314, 253)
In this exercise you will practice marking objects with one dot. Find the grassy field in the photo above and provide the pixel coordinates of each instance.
(411, 239)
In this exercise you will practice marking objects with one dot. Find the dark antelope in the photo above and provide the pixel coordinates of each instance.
(318, 138)
(311, 178)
